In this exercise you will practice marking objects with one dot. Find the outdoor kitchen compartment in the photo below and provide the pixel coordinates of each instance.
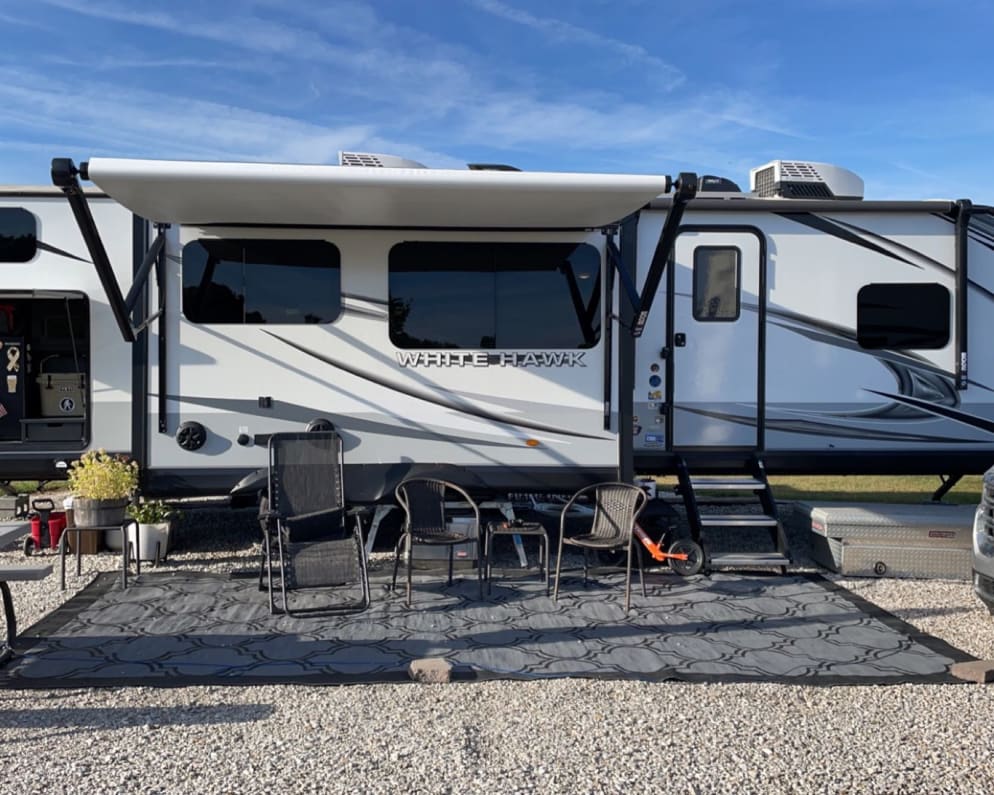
(12, 359)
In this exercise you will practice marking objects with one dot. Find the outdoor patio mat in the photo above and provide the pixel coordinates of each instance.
(181, 628)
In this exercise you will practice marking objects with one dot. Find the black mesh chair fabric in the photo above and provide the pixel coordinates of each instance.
(616, 506)
(423, 501)
(306, 539)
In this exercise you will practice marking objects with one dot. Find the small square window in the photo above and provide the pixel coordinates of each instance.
(903, 316)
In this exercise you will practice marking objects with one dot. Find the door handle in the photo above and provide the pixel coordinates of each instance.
(680, 340)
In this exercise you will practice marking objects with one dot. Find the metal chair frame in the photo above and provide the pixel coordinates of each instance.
(598, 538)
(434, 532)
(275, 522)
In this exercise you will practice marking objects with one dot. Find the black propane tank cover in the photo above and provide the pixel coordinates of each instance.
(191, 435)
(320, 425)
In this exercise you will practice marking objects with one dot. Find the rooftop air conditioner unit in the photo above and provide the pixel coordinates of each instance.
(371, 160)
(799, 179)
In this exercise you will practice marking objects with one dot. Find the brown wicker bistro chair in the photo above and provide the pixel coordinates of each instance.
(423, 501)
(616, 506)
(307, 544)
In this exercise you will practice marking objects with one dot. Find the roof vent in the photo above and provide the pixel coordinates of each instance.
(799, 179)
(712, 184)
(376, 161)
(491, 167)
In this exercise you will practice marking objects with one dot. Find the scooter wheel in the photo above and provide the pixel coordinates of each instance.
(29, 546)
(695, 557)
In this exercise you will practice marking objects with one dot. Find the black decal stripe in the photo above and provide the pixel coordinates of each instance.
(982, 242)
(874, 236)
(60, 252)
(977, 233)
(825, 429)
(981, 423)
(452, 405)
(831, 228)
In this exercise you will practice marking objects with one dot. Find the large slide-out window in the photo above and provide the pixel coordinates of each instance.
(912, 316)
(18, 235)
(716, 283)
(261, 281)
(494, 295)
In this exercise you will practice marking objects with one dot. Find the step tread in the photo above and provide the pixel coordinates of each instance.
(727, 484)
(738, 520)
(749, 559)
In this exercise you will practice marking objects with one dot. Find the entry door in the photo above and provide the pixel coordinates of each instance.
(716, 356)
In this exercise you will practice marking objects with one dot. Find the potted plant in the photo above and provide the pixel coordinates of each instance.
(102, 486)
(154, 519)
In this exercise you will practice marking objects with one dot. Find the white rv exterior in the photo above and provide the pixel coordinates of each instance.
(68, 375)
(793, 369)
(287, 297)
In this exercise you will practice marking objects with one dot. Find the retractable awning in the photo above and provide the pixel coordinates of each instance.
(200, 193)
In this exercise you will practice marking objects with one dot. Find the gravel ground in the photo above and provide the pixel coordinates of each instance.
(549, 736)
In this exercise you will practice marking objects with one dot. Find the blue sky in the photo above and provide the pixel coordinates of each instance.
(899, 91)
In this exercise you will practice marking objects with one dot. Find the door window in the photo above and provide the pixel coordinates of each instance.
(716, 283)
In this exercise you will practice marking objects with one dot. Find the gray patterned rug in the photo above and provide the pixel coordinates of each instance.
(181, 628)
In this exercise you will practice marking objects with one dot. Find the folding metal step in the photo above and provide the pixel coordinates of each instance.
(727, 484)
(748, 559)
(737, 520)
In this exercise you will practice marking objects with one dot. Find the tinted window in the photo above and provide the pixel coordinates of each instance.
(494, 295)
(18, 235)
(261, 281)
(716, 283)
(902, 316)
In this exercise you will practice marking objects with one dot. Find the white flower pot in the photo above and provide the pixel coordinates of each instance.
(152, 542)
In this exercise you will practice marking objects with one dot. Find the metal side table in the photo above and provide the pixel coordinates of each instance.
(123, 527)
(517, 529)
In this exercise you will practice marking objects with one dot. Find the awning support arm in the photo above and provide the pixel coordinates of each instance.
(141, 277)
(964, 209)
(614, 258)
(65, 175)
(686, 188)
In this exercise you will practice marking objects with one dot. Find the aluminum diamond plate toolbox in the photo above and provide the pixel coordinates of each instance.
(880, 523)
(861, 559)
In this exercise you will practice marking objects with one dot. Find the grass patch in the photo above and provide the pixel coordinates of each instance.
(32, 486)
(875, 488)
(863, 488)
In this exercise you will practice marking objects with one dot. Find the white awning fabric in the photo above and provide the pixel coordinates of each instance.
(199, 193)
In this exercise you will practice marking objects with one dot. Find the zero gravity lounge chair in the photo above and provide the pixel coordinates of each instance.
(315, 563)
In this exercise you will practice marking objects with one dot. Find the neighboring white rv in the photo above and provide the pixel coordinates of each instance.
(69, 379)
(517, 332)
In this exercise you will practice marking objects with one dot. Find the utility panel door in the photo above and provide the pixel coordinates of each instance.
(716, 355)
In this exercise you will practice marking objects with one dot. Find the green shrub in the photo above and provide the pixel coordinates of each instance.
(98, 475)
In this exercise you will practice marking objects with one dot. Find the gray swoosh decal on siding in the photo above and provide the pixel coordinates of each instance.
(452, 405)
(981, 423)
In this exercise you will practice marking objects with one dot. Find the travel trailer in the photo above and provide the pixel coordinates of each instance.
(512, 331)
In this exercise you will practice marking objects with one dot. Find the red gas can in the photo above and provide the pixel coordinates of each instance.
(56, 526)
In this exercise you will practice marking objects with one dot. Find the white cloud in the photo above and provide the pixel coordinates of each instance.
(559, 31)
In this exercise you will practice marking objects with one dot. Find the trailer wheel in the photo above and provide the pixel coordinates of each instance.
(880, 568)
(29, 546)
(695, 557)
